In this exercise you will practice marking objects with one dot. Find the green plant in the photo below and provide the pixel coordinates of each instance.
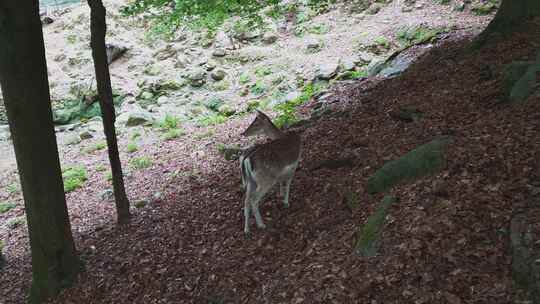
(258, 89)
(172, 134)
(108, 176)
(417, 34)
(319, 29)
(13, 188)
(71, 39)
(135, 135)
(244, 78)
(73, 177)
(383, 42)
(96, 147)
(16, 222)
(169, 122)
(140, 162)
(6, 206)
(211, 119)
(100, 168)
(287, 110)
(263, 71)
(132, 147)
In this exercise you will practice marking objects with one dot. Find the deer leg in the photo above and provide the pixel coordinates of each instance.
(247, 211)
(257, 213)
(287, 186)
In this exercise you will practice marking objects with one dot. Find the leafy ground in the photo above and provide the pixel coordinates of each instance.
(446, 239)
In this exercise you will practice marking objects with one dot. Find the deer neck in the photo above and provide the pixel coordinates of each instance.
(273, 132)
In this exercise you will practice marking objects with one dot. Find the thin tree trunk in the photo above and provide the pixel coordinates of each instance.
(23, 77)
(98, 29)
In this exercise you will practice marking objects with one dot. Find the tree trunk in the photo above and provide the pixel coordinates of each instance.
(24, 82)
(510, 17)
(99, 53)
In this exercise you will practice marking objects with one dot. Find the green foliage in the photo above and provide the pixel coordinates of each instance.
(229, 152)
(287, 110)
(319, 29)
(485, 8)
(244, 78)
(100, 168)
(213, 103)
(69, 111)
(132, 147)
(73, 177)
(368, 240)
(16, 222)
(426, 159)
(258, 88)
(141, 162)
(211, 119)
(169, 122)
(263, 71)
(6, 206)
(13, 188)
(383, 42)
(96, 147)
(135, 135)
(418, 34)
(352, 75)
(71, 39)
(108, 176)
(173, 133)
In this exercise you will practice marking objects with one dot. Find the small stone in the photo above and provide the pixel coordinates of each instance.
(137, 118)
(59, 57)
(106, 195)
(218, 74)
(147, 95)
(85, 135)
(270, 37)
(47, 20)
(219, 53)
(328, 70)
(162, 100)
(313, 45)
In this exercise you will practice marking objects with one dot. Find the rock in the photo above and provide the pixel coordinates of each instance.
(59, 57)
(223, 40)
(226, 110)
(162, 100)
(182, 61)
(219, 52)
(165, 53)
(146, 95)
(313, 45)
(218, 74)
(197, 77)
(348, 64)
(47, 20)
(138, 117)
(270, 37)
(327, 71)
(114, 52)
(106, 195)
(4, 132)
(211, 65)
(85, 135)
(364, 58)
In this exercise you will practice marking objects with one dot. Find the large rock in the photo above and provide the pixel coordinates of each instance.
(165, 53)
(327, 71)
(218, 74)
(222, 40)
(138, 117)
(114, 52)
(270, 37)
(197, 77)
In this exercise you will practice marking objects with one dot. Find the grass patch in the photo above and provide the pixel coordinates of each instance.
(140, 162)
(135, 135)
(417, 34)
(263, 71)
(108, 176)
(287, 110)
(6, 206)
(100, 168)
(319, 29)
(132, 147)
(16, 222)
(96, 147)
(173, 133)
(13, 188)
(211, 119)
(73, 178)
(244, 78)
(169, 122)
(258, 88)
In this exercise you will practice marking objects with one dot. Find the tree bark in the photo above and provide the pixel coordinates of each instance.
(510, 17)
(24, 82)
(98, 29)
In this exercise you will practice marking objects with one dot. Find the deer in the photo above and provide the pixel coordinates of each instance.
(264, 165)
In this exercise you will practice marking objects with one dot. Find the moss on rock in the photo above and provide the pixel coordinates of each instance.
(426, 159)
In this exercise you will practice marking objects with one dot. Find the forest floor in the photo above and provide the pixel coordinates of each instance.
(445, 241)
